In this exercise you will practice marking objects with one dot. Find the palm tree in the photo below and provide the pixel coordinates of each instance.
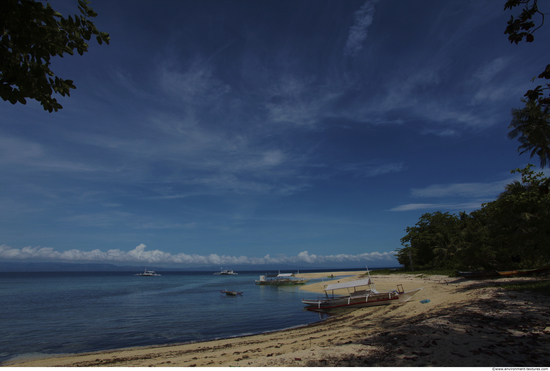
(445, 248)
(531, 125)
(513, 189)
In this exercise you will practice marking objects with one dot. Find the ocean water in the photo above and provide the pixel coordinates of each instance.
(45, 313)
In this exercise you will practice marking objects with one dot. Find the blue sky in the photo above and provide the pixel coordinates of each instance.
(227, 132)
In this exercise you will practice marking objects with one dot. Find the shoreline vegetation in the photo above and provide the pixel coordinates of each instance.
(507, 234)
(466, 323)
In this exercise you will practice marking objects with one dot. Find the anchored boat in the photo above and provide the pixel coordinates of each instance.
(230, 293)
(281, 279)
(225, 272)
(147, 273)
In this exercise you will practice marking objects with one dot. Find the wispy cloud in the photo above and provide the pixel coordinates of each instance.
(29, 154)
(358, 32)
(421, 93)
(478, 193)
(182, 152)
(196, 86)
(140, 255)
(441, 206)
(103, 220)
(231, 182)
(372, 169)
(441, 132)
(160, 225)
(462, 189)
(487, 84)
(491, 69)
(301, 101)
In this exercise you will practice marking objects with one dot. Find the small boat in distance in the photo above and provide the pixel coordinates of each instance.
(230, 293)
(147, 273)
(225, 272)
(366, 296)
(281, 279)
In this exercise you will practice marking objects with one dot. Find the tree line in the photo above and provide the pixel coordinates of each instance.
(511, 232)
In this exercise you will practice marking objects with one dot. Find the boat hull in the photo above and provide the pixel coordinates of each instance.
(147, 273)
(345, 303)
(407, 295)
(281, 283)
(478, 274)
(231, 293)
(523, 272)
(360, 301)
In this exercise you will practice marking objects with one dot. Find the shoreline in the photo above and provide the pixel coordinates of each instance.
(32, 357)
(467, 323)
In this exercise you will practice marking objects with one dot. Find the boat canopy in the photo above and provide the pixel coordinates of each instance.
(284, 275)
(350, 284)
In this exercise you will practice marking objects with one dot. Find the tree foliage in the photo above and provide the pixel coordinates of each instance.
(509, 233)
(431, 242)
(531, 124)
(521, 27)
(33, 33)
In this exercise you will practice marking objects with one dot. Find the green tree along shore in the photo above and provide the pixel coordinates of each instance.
(512, 232)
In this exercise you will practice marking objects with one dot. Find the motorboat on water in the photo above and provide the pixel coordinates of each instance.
(225, 272)
(361, 293)
(147, 273)
(281, 279)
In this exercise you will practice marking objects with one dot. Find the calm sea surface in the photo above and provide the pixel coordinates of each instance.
(72, 312)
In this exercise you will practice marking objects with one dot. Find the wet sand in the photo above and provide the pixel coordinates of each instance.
(467, 323)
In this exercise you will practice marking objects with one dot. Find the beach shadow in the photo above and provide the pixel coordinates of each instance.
(503, 328)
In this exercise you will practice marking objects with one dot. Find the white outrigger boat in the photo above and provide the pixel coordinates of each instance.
(225, 272)
(148, 274)
(364, 294)
(281, 279)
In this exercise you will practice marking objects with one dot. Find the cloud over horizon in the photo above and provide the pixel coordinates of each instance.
(140, 255)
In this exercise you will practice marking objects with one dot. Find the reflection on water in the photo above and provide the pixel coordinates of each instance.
(323, 313)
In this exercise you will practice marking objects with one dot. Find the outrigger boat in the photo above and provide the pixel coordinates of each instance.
(364, 294)
(225, 272)
(495, 273)
(478, 274)
(231, 293)
(147, 273)
(522, 272)
(281, 279)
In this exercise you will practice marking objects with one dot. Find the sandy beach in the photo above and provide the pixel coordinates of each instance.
(466, 323)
